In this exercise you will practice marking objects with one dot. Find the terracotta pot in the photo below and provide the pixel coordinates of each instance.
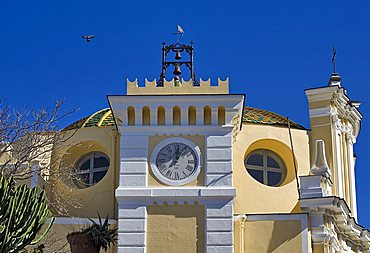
(81, 243)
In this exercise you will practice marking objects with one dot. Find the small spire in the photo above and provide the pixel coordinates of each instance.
(335, 78)
(333, 59)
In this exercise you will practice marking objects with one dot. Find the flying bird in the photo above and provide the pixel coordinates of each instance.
(88, 37)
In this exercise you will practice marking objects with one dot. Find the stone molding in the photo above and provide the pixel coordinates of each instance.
(330, 219)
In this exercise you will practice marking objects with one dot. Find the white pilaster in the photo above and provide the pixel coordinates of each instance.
(153, 116)
(133, 161)
(184, 116)
(131, 229)
(200, 116)
(219, 160)
(138, 116)
(219, 228)
(352, 179)
(214, 114)
(337, 155)
(169, 116)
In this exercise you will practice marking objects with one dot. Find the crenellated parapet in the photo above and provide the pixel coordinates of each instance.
(177, 87)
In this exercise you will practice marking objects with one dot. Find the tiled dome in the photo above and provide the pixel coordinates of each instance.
(104, 118)
(259, 116)
(101, 118)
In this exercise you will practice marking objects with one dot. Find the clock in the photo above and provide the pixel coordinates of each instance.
(176, 161)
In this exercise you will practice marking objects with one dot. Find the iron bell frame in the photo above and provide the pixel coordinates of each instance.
(175, 48)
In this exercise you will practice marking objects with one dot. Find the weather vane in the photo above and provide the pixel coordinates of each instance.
(180, 32)
(333, 59)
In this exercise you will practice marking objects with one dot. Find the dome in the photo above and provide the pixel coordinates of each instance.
(253, 115)
(101, 118)
(264, 117)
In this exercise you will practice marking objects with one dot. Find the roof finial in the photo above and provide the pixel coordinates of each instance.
(333, 59)
(335, 77)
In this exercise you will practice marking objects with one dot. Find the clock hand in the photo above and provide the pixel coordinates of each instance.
(178, 152)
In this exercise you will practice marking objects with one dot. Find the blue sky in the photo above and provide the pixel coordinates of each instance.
(270, 50)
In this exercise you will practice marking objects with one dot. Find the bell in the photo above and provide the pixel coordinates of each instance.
(177, 70)
(178, 55)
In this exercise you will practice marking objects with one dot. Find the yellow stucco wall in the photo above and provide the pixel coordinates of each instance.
(99, 197)
(268, 236)
(196, 139)
(254, 197)
(178, 228)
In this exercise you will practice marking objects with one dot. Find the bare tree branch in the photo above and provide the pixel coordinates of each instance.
(29, 137)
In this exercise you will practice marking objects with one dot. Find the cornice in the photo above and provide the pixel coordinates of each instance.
(345, 224)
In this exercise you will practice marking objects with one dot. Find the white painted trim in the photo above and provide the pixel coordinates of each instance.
(149, 99)
(320, 112)
(165, 142)
(79, 221)
(179, 129)
(281, 217)
(321, 92)
(175, 192)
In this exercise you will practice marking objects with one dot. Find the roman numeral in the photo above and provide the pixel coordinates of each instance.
(191, 161)
(189, 168)
(177, 176)
(168, 174)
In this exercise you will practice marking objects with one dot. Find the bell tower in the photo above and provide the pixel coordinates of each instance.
(175, 188)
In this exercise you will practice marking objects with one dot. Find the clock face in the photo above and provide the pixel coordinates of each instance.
(176, 162)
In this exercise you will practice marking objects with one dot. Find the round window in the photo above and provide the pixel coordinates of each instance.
(90, 169)
(266, 167)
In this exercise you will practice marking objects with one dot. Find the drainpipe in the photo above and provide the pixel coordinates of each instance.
(243, 219)
(114, 135)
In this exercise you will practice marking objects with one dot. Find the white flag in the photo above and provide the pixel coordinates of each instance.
(180, 30)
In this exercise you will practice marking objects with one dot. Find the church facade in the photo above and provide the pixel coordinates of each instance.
(180, 166)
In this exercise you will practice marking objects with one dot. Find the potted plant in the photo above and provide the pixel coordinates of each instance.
(93, 238)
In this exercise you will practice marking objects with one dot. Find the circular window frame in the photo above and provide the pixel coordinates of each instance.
(264, 168)
(88, 156)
